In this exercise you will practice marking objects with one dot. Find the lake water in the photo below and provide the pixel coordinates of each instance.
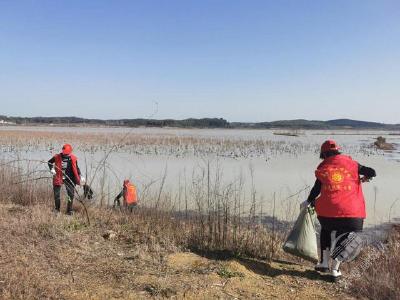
(279, 167)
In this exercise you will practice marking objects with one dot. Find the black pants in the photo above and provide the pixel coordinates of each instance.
(130, 206)
(340, 225)
(70, 187)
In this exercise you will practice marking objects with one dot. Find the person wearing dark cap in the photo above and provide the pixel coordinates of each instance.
(64, 168)
(338, 200)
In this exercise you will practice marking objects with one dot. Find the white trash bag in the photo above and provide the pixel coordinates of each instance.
(302, 240)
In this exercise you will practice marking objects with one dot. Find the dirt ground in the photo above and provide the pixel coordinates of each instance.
(49, 256)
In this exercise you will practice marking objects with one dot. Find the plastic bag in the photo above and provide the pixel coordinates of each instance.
(302, 240)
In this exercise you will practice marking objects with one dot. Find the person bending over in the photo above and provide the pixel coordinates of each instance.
(129, 195)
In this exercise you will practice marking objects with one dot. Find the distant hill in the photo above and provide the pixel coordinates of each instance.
(315, 124)
(201, 123)
(74, 121)
(356, 124)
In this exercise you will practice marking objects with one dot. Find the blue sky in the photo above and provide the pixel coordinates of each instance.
(240, 60)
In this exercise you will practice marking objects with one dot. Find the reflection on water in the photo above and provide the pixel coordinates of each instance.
(394, 154)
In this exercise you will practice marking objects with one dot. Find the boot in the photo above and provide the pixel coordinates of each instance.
(323, 266)
(69, 207)
(336, 274)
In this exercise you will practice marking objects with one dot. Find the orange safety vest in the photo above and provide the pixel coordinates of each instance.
(58, 178)
(130, 194)
(341, 192)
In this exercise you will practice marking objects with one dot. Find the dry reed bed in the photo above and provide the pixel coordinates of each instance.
(12, 141)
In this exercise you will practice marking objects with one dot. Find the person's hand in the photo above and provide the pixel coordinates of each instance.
(83, 180)
(116, 202)
(53, 172)
(304, 204)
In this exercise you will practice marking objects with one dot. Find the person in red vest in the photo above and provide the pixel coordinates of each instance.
(129, 195)
(65, 170)
(340, 206)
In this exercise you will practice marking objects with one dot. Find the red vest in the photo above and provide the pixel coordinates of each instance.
(58, 178)
(341, 192)
(130, 195)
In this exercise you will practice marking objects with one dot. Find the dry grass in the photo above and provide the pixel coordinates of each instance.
(53, 252)
(125, 256)
(218, 223)
(143, 254)
(51, 257)
(381, 144)
(374, 275)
